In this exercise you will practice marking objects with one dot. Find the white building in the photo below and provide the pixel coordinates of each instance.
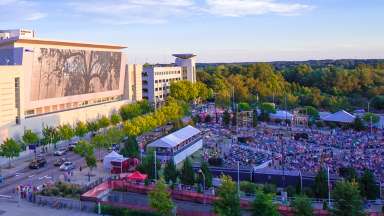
(52, 82)
(157, 78)
(178, 145)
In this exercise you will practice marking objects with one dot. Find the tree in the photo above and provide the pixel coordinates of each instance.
(103, 122)
(321, 184)
(131, 148)
(170, 172)
(30, 137)
(93, 126)
(244, 106)
(349, 173)
(50, 135)
(228, 202)
(302, 206)
(263, 205)
(358, 124)
(10, 149)
(115, 119)
(160, 199)
(81, 129)
(91, 162)
(85, 150)
(147, 165)
(99, 141)
(113, 136)
(268, 108)
(207, 175)
(187, 174)
(226, 118)
(367, 185)
(371, 116)
(347, 200)
(65, 132)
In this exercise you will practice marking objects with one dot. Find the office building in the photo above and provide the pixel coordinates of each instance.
(157, 78)
(52, 82)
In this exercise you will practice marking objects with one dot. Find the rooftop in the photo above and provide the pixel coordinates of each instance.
(175, 138)
(184, 56)
(34, 40)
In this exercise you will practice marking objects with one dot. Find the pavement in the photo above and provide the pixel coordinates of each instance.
(21, 174)
(11, 208)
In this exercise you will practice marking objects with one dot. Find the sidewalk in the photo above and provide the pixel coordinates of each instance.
(26, 208)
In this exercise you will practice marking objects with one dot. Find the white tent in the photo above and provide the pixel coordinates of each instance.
(281, 114)
(342, 117)
(110, 157)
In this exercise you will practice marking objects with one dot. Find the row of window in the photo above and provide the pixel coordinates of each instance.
(162, 96)
(62, 107)
(167, 72)
(166, 80)
(162, 88)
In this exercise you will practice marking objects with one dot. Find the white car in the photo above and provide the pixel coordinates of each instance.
(66, 166)
(60, 152)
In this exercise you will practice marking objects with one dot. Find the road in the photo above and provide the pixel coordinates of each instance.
(49, 172)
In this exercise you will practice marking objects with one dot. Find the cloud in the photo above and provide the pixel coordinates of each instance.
(237, 8)
(19, 10)
(120, 12)
(35, 16)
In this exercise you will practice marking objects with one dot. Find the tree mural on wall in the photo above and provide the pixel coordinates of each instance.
(65, 72)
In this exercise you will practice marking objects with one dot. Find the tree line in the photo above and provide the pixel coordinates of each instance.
(328, 87)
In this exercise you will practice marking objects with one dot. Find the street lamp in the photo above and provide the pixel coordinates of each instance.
(202, 173)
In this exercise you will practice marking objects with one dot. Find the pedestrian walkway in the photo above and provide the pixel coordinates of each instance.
(23, 208)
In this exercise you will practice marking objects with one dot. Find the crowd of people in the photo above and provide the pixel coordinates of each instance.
(319, 148)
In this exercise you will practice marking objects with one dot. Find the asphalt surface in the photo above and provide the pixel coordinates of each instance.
(36, 177)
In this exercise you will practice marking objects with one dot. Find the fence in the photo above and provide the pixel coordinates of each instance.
(60, 202)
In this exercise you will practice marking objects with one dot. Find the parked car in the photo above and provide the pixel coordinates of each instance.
(37, 163)
(60, 161)
(60, 152)
(67, 165)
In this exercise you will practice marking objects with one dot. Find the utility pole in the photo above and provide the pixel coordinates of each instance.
(155, 165)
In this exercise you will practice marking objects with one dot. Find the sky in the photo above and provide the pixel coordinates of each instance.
(215, 30)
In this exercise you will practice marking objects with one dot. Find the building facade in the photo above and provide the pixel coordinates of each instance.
(157, 79)
(51, 82)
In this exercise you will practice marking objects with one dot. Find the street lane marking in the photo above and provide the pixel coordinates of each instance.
(31, 176)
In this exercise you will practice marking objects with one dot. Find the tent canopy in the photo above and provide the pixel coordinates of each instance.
(175, 138)
(137, 176)
(281, 114)
(342, 117)
(110, 157)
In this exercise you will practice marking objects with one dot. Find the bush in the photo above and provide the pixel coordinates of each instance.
(62, 190)
(269, 189)
(113, 211)
(248, 188)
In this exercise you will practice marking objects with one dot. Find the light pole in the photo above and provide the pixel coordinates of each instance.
(329, 189)
(155, 165)
(238, 178)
